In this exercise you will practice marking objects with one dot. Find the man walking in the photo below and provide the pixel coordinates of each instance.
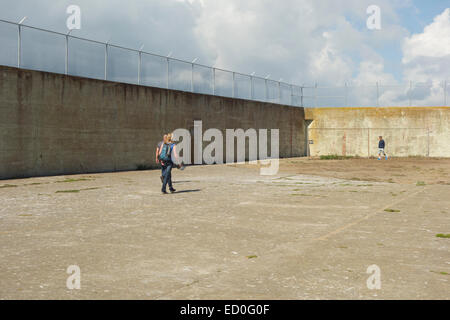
(158, 147)
(381, 146)
(165, 158)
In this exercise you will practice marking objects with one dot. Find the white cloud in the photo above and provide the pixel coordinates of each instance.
(426, 60)
(301, 41)
(434, 41)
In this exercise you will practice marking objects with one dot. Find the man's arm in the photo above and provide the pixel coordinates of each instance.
(157, 154)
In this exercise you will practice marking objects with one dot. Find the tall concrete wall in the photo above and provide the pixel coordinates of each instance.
(54, 124)
(408, 131)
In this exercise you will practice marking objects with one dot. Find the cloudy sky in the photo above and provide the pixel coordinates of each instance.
(300, 41)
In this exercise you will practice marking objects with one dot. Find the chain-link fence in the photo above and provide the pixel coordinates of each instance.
(38, 49)
(419, 94)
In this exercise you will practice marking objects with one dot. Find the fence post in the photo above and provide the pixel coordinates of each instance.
(192, 78)
(267, 91)
(139, 67)
(19, 45)
(301, 96)
(233, 88)
(66, 67)
(445, 93)
(410, 93)
(106, 60)
(292, 95)
(168, 83)
(214, 80)
(378, 96)
(251, 87)
(346, 95)
(315, 95)
(279, 92)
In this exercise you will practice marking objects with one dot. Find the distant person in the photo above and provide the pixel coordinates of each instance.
(166, 151)
(157, 153)
(381, 146)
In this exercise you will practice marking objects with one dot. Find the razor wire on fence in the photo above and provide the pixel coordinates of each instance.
(44, 50)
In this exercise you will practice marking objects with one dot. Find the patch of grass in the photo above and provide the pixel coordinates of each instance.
(25, 215)
(393, 194)
(252, 256)
(390, 180)
(8, 186)
(391, 210)
(346, 184)
(365, 185)
(77, 190)
(445, 236)
(334, 157)
(342, 247)
(302, 194)
(441, 272)
(420, 183)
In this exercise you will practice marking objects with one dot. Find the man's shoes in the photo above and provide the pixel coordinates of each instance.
(172, 190)
(164, 191)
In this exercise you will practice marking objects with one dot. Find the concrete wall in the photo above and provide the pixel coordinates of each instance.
(54, 124)
(408, 131)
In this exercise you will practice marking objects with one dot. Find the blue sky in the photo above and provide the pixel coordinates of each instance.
(422, 14)
(301, 41)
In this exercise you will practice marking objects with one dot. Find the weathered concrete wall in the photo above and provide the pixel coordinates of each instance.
(54, 124)
(408, 131)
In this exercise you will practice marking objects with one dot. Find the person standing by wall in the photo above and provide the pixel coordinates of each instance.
(381, 146)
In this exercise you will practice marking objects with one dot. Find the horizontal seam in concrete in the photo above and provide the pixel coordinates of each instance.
(325, 237)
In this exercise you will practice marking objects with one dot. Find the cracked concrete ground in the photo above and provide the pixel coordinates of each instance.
(309, 232)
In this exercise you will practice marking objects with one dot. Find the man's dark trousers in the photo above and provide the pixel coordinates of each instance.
(167, 175)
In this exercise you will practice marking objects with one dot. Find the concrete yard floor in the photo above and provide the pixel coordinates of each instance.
(309, 232)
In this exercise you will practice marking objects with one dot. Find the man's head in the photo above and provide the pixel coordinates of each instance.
(169, 137)
(380, 137)
(165, 138)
